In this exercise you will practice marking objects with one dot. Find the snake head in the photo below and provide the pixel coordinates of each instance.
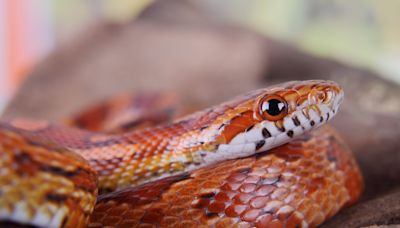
(270, 117)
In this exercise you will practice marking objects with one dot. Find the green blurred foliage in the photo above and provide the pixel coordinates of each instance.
(360, 32)
(70, 17)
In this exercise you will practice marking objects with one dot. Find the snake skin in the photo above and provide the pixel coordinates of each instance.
(300, 184)
(50, 174)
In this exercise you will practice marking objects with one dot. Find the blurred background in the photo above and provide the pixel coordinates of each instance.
(57, 57)
(31, 29)
(362, 32)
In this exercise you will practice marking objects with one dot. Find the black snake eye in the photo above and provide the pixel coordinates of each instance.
(273, 107)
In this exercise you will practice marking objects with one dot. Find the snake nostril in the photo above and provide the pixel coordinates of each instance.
(321, 96)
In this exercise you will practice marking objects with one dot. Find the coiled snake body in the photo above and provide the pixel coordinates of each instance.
(247, 162)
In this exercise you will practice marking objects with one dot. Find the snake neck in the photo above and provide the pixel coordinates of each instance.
(127, 159)
(141, 156)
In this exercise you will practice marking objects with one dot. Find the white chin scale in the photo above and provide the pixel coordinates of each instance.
(266, 135)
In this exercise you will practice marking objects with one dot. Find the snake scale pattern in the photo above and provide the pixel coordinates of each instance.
(249, 162)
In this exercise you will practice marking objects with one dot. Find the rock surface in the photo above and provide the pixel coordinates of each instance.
(175, 45)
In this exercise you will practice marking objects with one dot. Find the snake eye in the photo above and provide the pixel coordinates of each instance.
(273, 107)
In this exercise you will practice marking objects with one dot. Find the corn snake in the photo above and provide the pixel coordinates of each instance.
(146, 177)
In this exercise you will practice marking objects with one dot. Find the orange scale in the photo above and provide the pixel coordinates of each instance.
(159, 206)
(280, 193)
(276, 168)
(244, 121)
(168, 197)
(326, 206)
(247, 188)
(216, 207)
(270, 179)
(244, 164)
(210, 185)
(266, 161)
(208, 219)
(265, 190)
(230, 186)
(320, 180)
(231, 194)
(291, 97)
(250, 215)
(264, 220)
(301, 185)
(275, 224)
(192, 213)
(337, 176)
(202, 174)
(259, 171)
(182, 199)
(243, 198)
(235, 210)
(295, 169)
(284, 212)
(222, 196)
(259, 201)
(252, 179)
(304, 174)
(311, 212)
(230, 131)
(304, 205)
(169, 221)
(221, 176)
(292, 199)
(186, 190)
(286, 182)
(226, 222)
(343, 197)
(310, 190)
(320, 196)
(294, 220)
(318, 218)
(200, 203)
(222, 168)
